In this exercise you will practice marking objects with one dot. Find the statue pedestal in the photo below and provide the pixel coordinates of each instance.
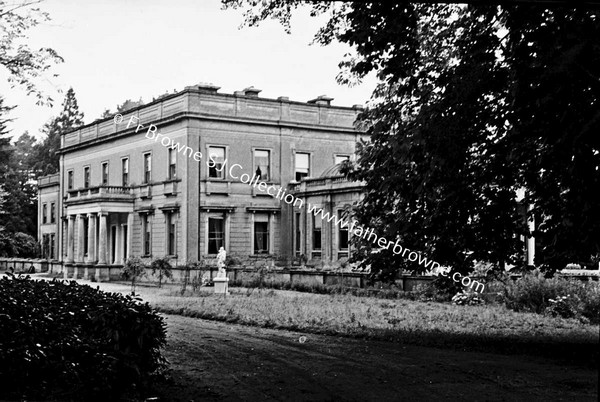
(221, 285)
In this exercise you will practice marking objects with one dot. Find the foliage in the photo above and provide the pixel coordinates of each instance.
(18, 244)
(133, 270)
(465, 298)
(24, 65)
(72, 342)
(536, 293)
(466, 95)
(161, 267)
(69, 119)
(564, 306)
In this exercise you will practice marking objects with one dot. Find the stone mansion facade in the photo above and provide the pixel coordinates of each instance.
(120, 194)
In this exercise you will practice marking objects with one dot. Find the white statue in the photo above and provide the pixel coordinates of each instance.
(221, 263)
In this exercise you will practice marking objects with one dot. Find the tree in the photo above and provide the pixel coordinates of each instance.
(129, 104)
(24, 65)
(133, 270)
(69, 119)
(473, 103)
(161, 267)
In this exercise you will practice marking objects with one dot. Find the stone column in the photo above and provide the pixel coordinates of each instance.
(118, 245)
(70, 238)
(80, 239)
(91, 238)
(103, 240)
(129, 234)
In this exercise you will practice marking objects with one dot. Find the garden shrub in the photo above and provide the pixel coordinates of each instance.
(62, 340)
(556, 296)
(162, 268)
(465, 298)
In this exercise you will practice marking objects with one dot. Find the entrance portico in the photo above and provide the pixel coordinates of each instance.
(99, 237)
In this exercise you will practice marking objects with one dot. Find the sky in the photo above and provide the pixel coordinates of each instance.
(127, 49)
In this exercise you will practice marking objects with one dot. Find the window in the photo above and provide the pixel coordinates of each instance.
(302, 165)
(298, 233)
(125, 171)
(216, 161)
(52, 212)
(52, 245)
(44, 213)
(216, 234)
(146, 230)
(70, 180)
(316, 238)
(261, 237)
(147, 168)
(171, 249)
(45, 245)
(261, 164)
(172, 164)
(105, 173)
(86, 177)
(343, 231)
(341, 158)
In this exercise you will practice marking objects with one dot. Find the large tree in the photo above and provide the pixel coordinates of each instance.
(23, 64)
(473, 103)
(69, 119)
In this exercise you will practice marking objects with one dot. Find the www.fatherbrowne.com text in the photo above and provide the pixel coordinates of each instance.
(236, 172)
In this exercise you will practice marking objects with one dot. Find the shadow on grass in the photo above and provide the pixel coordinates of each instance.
(584, 353)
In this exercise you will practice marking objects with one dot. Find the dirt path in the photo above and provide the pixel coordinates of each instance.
(219, 361)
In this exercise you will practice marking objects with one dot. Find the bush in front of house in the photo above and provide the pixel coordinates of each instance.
(69, 341)
(556, 296)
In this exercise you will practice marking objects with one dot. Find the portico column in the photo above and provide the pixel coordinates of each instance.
(103, 240)
(118, 245)
(70, 238)
(80, 238)
(91, 238)
(129, 234)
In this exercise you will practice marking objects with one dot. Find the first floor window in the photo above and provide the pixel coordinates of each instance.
(44, 213)
(316, 239)
(302, 167)
(70, 180)
(125, 171)
(105, 173)
(171, 248)
(261, 236)
(261, 164)
(172, 164)
(52, 212)
(216, 169)
(86, 177)
(216, 234)
(147, 168)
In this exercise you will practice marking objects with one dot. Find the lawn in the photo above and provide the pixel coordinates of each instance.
(483, 328)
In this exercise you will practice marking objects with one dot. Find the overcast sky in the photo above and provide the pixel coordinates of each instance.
(118, 50)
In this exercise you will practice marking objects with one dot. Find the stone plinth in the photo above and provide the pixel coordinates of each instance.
(221, 285)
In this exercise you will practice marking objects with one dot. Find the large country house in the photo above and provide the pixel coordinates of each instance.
(122, 192)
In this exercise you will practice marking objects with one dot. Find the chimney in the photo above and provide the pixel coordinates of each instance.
(250, 91)
(206, 88)
(321, 100)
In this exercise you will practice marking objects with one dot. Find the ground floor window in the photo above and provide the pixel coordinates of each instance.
(261, 236)
(316, 239)
(171, 245)
(216, 234)
(147, 235)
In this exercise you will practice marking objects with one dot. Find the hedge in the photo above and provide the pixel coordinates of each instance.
(63, 340)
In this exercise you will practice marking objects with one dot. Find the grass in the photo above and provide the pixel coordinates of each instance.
(489, 328)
